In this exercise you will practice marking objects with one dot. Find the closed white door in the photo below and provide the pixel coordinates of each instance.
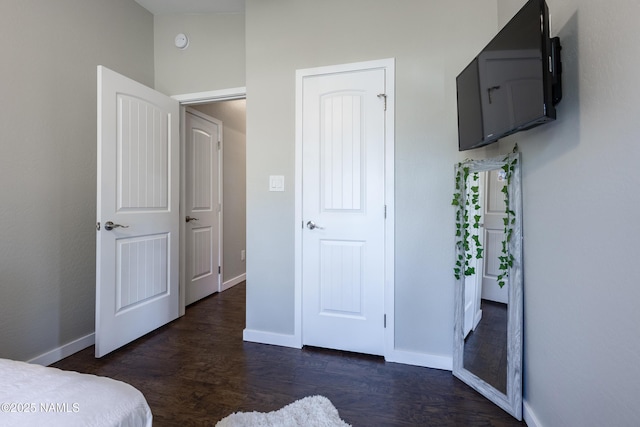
(202, 205)
(343, 210)
(493, 217)
(473, 282)
(137, 211)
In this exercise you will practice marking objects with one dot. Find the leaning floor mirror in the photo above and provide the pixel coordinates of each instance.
(488, 325)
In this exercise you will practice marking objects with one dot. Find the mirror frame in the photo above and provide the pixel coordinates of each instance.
(511, 402)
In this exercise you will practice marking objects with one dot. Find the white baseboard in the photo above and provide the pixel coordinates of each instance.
(66, 350)
(262, 337)
(396, 356)
(420, 359)
(232, 282)
(529, 416)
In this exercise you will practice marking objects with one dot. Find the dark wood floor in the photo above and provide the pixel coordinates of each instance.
(197, 370)
(485, 349)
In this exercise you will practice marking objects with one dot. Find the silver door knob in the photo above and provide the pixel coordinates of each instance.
(190, 218)
(312, 226)
(110, 226)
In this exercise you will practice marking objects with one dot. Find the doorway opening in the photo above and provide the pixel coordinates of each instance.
(229, 108)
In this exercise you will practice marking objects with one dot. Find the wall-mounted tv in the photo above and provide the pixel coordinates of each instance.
(514, 82)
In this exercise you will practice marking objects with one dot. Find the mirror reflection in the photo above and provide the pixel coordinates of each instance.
(488, 313)
(485, 315)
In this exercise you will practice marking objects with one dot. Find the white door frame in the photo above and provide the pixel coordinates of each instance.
(389, 66)
(187, 100)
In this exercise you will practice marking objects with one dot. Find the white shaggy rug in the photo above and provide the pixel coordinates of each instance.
(313, 411)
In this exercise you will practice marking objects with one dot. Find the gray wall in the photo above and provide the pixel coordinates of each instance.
(580, 183)
(233, 116)
(50, 51)
(432, 42)
(214, 59)
(508, 8)
(581, 203)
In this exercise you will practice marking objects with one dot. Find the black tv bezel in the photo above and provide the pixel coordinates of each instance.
(551, 81)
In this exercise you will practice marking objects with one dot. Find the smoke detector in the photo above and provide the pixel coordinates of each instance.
(181, 41)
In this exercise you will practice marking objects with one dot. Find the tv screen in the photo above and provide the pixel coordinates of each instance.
(513, 84)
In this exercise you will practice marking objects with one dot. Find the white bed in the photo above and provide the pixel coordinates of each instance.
(34, 395)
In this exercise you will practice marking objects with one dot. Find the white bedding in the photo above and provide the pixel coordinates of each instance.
(34, 395)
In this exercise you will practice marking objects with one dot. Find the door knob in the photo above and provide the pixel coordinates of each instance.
(311, 226)
(190, 218)
(110, 226)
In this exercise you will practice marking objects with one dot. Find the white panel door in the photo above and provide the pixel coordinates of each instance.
(493, 216)
(343, 142)
(137, 211)
(473, 282)
(202, 170)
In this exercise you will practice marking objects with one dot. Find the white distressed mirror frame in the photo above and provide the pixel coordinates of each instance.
(511, 402)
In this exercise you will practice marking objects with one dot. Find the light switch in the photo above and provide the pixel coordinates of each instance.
(276, 183)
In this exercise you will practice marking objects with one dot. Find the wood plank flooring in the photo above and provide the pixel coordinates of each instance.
(197, 370)
(485, 349)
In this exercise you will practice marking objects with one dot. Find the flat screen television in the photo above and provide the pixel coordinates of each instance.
(514, 82)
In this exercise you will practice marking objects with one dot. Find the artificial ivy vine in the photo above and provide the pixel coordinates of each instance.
(506, 259)
(467, 200)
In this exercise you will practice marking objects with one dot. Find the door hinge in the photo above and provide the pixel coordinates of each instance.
(219, 269)
(385, 320)
(384, 97)
(385, 211)
(218, 144)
